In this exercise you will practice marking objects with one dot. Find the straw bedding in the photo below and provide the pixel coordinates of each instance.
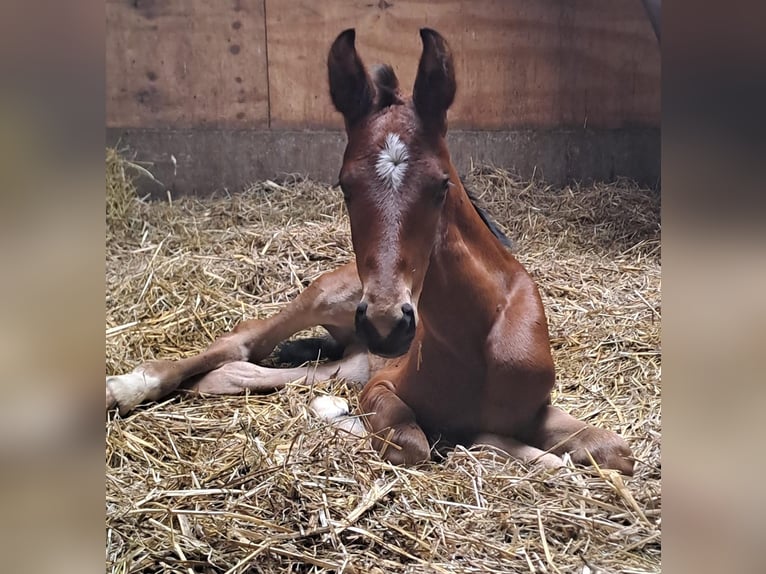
(257, 484)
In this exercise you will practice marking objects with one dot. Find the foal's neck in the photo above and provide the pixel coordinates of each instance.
(464, 277)
(462, 230)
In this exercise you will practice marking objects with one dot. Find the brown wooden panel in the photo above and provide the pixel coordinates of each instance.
(520, 63)
(185, 63)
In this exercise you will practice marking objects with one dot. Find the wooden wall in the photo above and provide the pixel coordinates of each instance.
(519, 63)
(184, 63)
(261, 64)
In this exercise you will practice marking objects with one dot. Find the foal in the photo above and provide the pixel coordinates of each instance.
(442, 325)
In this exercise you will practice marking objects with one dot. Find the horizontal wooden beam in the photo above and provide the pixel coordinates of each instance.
(202, 161)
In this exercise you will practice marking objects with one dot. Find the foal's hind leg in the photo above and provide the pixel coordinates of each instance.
(558, 432)
(330, 300)
(239, 376)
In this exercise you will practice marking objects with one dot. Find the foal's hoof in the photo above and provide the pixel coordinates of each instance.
(618, 457)
(610, 452)
(621, 461)
(111, 402)
(406, 447)
(128, 391)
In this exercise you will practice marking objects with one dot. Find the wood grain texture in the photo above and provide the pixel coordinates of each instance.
(184, 63)
(519, 63)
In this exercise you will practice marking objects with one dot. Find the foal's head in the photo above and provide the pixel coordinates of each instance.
(395, 176)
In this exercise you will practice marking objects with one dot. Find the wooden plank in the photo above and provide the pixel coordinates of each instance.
(520, 63)
(203, 161)
(186, 63)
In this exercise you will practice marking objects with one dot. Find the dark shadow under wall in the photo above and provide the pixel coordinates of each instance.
(202, 161)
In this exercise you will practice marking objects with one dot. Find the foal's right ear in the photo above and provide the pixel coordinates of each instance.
(351, 88)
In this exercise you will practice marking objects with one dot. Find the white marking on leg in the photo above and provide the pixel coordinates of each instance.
(352, 425)
(131, 389)
(392, 162)
(335, 410)
(329, 408)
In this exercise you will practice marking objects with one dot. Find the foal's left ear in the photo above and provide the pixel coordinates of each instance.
(435, 85)
(351, 88)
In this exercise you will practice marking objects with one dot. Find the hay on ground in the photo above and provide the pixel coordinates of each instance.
(256, 484)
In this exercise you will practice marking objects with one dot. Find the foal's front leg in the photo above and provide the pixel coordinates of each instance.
(330, 300)
(395, 431)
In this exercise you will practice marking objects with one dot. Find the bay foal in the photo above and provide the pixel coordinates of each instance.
(445, 329)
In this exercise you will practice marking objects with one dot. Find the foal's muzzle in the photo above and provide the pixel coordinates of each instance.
(398, 340)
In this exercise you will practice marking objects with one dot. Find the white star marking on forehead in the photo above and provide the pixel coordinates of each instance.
(392, 161)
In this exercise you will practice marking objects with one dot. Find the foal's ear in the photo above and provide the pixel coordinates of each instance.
(351, 89)
(435, 86)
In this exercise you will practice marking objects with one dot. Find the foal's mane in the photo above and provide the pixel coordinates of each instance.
(386, 86)
(487, 219)
(387, 94)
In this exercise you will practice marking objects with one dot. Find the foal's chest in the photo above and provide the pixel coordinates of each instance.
(446, 395)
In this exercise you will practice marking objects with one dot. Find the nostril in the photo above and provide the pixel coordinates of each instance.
(407, 321)
(361, 309)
